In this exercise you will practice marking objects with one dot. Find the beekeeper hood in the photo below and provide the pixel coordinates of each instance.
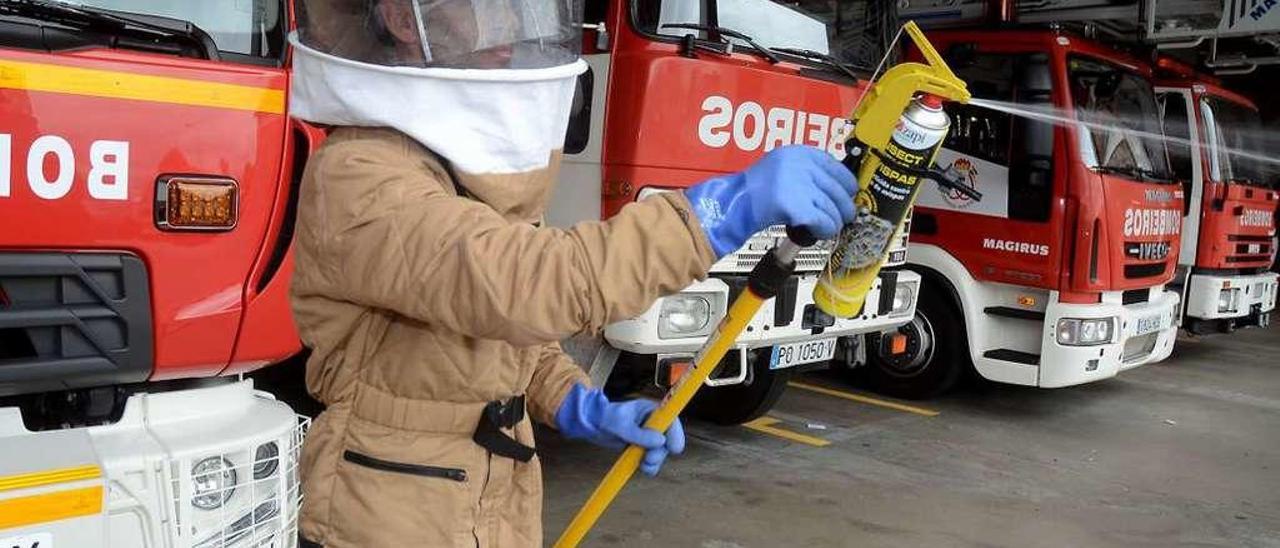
(485, 84)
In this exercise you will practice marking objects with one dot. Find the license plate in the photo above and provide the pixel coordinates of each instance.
(32, 540)
(1149, 324)
(788, 355)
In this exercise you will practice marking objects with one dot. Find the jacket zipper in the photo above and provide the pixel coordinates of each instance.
(455, 474)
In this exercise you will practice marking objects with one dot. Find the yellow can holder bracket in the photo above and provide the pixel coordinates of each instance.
(877, 113)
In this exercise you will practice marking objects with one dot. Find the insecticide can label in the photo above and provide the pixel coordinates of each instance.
(889, 182)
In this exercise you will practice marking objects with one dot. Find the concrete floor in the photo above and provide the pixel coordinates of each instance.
(1183, 453)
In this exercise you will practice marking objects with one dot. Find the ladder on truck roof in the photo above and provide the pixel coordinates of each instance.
(1239, 35)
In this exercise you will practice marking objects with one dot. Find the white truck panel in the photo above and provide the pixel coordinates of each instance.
(1204, 291)
(1059, 365)
(1070, 365)
(147, 461)
(640, 334)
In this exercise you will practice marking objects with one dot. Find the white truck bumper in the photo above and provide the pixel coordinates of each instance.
(135, 482)
(1065, 365)
(1211, 297)
(651, 332)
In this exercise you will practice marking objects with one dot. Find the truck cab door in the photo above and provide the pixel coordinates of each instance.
(1010, 159)
(1178, 120)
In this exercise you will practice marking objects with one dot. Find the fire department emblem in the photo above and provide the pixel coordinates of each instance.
(969, 173)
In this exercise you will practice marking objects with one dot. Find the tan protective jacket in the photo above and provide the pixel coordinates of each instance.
(422, 305)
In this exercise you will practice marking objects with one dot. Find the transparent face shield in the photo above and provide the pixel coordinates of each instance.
(464, 34)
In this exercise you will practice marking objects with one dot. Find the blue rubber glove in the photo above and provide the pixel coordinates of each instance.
(587, 415)
(794, 185)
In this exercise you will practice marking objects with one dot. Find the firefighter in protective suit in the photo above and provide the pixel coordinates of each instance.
(431, 298)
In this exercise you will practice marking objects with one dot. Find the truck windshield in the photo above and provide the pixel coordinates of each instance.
(1121, 132)
(804, 25)
(1235, 136)
(240, 27)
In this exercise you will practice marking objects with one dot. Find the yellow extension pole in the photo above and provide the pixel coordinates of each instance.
(744, 308)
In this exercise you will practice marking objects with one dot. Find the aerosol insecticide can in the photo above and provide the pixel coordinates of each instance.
(887, 190)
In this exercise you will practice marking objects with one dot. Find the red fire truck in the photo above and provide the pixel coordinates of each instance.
(683, 90)
(146, 170)
(1057, 276)
(1229, 232)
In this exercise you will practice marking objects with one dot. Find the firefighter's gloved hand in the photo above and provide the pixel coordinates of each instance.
(587, 415)
(794, 185)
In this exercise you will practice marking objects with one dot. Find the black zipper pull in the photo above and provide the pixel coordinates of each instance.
(455, 474)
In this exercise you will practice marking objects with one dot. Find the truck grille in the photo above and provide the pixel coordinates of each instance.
(811, 259)
(1132, 271)
(73, 320)
(1249, 249)
(1135, 296)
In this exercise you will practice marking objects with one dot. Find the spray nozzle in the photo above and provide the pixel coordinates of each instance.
(877, 113)
(930, 101)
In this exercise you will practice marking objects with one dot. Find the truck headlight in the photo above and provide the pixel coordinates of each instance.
(1085, 332)
(1229, 300)
(687, 315)
(213, 480)
(265, 460)
(904, 299)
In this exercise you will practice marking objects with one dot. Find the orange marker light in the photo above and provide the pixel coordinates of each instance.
(897, 344)
(197, 203)
(1026, 300)
(677, 370)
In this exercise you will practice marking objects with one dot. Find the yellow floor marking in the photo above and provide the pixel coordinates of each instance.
(766, 425)
(864, 399)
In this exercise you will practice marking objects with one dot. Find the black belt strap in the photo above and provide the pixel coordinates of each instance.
(489, 435)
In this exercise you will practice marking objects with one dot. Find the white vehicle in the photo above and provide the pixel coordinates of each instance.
(665, 107)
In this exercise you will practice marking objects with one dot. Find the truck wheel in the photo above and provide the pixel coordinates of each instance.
(739, 403)
(930, 357)
(633, 373)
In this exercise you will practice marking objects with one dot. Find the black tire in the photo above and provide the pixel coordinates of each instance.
(937, 352)
(633, 373)
(739, 403)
